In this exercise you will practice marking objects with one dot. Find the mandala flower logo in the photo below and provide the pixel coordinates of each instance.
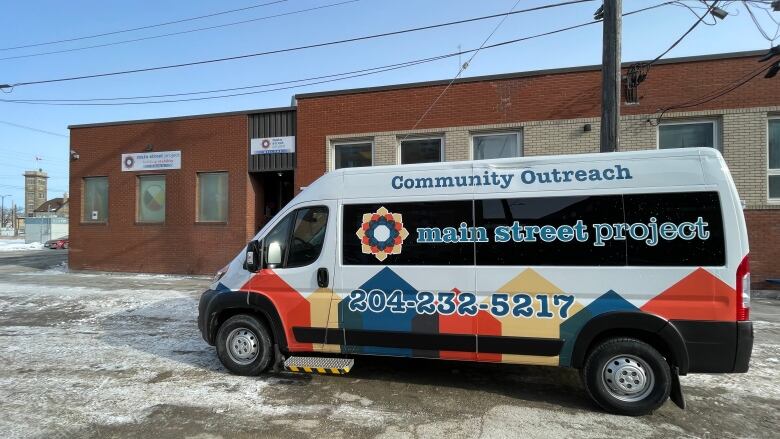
(382, 233)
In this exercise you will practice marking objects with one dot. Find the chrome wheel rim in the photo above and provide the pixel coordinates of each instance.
(243, 346)
(628, 378)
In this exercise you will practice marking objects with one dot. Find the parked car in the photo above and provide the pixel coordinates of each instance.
(57, 243)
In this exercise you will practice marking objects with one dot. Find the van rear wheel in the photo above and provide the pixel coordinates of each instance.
(244, 345)
(627, 376)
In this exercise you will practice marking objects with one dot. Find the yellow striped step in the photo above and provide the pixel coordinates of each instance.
(324, 365)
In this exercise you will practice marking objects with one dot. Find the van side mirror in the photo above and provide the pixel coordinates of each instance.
(254, 256)
(274, 254)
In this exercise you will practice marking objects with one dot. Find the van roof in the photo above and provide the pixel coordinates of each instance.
(681, 167)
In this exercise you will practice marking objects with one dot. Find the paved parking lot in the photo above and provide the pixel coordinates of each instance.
(96, 355)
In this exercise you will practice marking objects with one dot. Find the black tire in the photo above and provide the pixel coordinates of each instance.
(596, 376)
(247, 333)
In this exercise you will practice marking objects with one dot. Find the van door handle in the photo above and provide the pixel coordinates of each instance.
(322, 277)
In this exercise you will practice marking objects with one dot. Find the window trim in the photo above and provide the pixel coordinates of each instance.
(197, 198)
(283, 218)
(401, 140)
(85, 221)
(518, 135)
(770, 171)
(297, 212)
(715, 130)
(334, 143)
(138, 200)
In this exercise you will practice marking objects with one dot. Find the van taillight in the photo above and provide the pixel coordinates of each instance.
(743, 290)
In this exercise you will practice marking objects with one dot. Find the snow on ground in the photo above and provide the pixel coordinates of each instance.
(76, 356)
(116, 355)
(13, 245)
(62, 269)
(109, 357)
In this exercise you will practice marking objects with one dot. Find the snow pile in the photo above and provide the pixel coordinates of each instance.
(13, 245)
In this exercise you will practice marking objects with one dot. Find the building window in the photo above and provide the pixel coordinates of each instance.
(212, 197)
(421, 150)
(352, 154)
(95, 205)
(497, 145)
(774, 159)
(688, 134)
(150, 199)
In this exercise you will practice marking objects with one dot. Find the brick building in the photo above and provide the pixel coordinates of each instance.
(187, 219)
(527, 113)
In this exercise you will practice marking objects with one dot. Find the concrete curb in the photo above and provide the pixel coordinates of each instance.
(766, 294)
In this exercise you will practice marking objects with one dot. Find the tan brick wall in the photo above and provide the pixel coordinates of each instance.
(560, 137)
(384, 150)
(742, 132)
(636, 134)
(457, 145)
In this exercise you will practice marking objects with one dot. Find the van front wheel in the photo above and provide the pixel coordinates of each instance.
(627, 376)
(244, 345)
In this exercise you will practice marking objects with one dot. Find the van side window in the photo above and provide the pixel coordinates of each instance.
(308, 236)
(279, 234)
(524, 219)
(678, 209)
(424, 223)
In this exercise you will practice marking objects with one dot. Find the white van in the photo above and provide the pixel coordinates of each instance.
(630, 266)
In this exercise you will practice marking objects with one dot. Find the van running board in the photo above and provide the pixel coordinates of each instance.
(325, 365)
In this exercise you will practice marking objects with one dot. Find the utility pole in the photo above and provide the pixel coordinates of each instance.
(610, 76)
(2, 210)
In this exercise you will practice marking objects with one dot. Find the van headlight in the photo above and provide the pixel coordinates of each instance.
(221, 273)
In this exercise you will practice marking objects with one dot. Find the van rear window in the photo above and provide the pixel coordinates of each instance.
(696, 214)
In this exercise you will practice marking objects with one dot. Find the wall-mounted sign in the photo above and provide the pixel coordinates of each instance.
(149, 161)
(273, 145)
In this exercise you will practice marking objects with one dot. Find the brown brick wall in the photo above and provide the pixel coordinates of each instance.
(179, 245)
(546, 97)
(220, 143)
(763, 234)
(570, 98)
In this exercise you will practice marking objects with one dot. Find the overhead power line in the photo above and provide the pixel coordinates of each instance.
(167, 23)
(325, 78)
(462, 68)
(637, 73)
(292, 49)
(685, 34)
(342, 75)
(718, 93)
(37, 130)
(758, 25)
(152, 37)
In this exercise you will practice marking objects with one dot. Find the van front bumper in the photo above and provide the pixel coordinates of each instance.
(206, 315)
(717, 347)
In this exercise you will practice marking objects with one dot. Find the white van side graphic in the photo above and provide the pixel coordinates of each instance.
(631, 262)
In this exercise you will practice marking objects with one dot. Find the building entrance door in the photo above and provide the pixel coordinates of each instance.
(273, 189)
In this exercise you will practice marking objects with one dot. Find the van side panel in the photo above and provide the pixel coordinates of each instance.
(525, 261)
